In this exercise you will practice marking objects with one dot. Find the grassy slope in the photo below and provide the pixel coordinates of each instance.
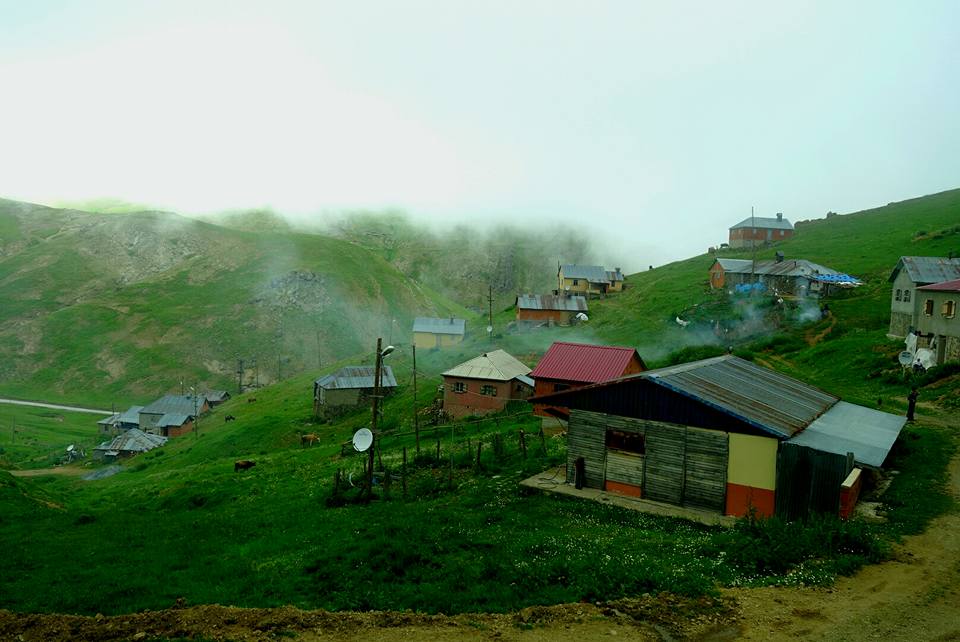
(265, 537)
(71, 328)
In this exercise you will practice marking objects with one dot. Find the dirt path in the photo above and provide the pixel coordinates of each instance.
(71, 471)
(54, 406)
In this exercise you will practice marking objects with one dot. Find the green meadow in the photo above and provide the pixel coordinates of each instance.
(452, 532)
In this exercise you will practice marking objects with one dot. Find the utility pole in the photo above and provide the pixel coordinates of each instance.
(373, 419)
(490, 311)
(239, 376)
(416, 415)
(319, 360)
(753, 246)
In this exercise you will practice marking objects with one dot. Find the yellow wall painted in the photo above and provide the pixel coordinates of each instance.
(752, 461)
(427, 340)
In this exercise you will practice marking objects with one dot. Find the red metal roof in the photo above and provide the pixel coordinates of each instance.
(946, 286)
(582, 362)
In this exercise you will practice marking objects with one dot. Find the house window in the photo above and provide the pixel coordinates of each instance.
(928, 307)
(459, 386)
(490, 391)
(558, 387)
(576, 281)
(948, 309)
(899, 294)
(906, 296)
(630, 442)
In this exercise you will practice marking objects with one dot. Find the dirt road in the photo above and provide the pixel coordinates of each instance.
(54, 406)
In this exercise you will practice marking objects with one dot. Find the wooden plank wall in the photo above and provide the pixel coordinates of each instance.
(682, 465)
(625, 468)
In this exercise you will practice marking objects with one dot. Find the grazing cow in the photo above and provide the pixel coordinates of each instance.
(228, 418)
(308, 440)
(243, 464)
(251, 399)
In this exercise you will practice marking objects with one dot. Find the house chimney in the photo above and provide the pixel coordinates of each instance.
(779, 216)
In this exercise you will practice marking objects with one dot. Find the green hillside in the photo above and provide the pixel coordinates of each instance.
(102, 308)
(179, 523)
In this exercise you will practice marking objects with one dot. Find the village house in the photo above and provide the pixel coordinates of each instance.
(588, 279)
(429, 332)
(349, 387)
(172, 415)
(937, 326)
(756, 231)
(910, 273)
(574, 365)
(797, 277)
(485, 384)
(546, 309)
(216, 397)
(724, 435)
(121, 420)
(129, 443)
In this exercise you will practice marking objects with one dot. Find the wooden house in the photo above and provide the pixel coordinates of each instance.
(757, 231)
(129, 443)
(724, 435)
(588, 279)
(573, 365)
(537, 309)
(172, 415)
(349, 387)
(485, 384)
(216, 397)
(430, 332)
(938, 326)
(121, 420)
(910, 273)
(797, 277)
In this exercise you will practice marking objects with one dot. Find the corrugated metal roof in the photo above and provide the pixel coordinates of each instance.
(763, 222)
(350, 377)
(133, 440)
(526, 380)
(439, 326)
(172, 419)
(216, 395)
(762, 397)
(946, 286)
(583, 362)
(734, 265)
(572, 303)
(178, 404)
(792, 267)
(496, 365)
(591, 273)
(869, 434)
(129, 416)
(928, 269)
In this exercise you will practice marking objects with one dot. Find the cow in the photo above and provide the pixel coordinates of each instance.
(243, 464)
(308, 440)
(228, 418)
(251, 399)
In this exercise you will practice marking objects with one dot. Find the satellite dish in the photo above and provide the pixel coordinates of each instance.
(70, 448)
(362, 440)
(489, 329)
(905, 358)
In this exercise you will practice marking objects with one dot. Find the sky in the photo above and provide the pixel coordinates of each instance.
(653, 126)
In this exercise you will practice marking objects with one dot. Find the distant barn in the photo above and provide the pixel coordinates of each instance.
(430, 332)
(349, 387)
(537, 309)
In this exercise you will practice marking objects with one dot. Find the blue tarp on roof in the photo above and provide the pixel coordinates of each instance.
(835, 278)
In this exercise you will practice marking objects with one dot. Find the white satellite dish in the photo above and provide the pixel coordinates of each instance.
(362, 440)
(905, 358)
(489, 329)
(70, 448)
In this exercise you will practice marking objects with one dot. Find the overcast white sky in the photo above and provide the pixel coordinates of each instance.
(654, 124)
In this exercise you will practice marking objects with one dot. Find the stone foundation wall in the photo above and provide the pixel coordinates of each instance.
(899, 324)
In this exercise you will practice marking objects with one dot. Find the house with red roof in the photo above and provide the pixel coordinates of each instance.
(567, 366)
(938, 326)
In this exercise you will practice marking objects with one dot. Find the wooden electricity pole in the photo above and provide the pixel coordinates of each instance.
(416, 414)
(373, 420)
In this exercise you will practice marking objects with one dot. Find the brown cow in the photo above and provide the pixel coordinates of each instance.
(251, 399)
(243, 464)
(308, 440)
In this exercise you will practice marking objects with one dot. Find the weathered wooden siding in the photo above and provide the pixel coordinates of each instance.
(682, 465)
(625, 468)
(705, 481)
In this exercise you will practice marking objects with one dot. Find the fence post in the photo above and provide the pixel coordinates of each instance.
(523, 443)
(479, 447)
(404, 471)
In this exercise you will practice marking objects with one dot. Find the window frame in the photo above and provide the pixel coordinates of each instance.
(952, 306)
(928, 307)
(459, 387)
(906, 295)
(488, 390)
(899, 295)
(624, 441)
